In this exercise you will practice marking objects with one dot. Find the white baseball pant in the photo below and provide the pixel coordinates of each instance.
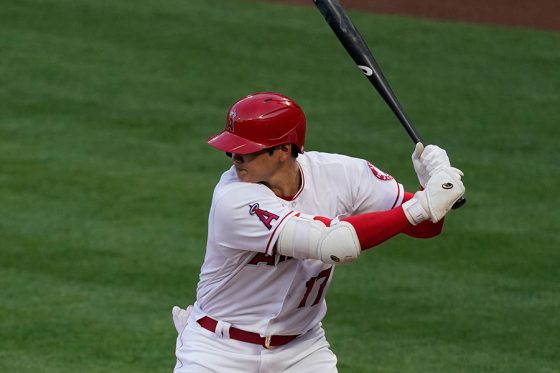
(199, 350)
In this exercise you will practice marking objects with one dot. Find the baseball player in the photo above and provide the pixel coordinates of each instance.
(281, 219)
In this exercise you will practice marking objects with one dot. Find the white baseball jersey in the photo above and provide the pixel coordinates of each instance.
(243, 281)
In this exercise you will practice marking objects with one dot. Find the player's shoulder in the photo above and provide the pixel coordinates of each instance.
(317, 157)
(316, 160)
(333, 163)
(229, 177)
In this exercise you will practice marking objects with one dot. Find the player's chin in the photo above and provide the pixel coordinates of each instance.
(243, 175)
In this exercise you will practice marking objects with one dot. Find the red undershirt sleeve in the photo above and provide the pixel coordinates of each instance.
(376, 227)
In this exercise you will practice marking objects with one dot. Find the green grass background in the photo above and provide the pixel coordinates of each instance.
(106, 179)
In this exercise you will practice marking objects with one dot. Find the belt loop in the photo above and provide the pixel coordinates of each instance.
(222, 329)
(267, 342)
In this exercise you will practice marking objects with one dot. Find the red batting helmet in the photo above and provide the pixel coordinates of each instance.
(260, 121)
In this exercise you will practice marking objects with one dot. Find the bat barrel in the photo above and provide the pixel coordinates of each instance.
(353, 42)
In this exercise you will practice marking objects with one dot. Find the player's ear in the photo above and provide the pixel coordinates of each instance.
(285, 150)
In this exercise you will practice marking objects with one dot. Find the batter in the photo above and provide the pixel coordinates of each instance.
(281, 219)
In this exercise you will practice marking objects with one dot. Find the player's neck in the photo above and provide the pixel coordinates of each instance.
(287, 181)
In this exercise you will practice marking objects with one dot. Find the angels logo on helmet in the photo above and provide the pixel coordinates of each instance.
(231, 121)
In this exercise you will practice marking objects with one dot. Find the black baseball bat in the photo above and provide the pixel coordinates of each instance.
(352, 40)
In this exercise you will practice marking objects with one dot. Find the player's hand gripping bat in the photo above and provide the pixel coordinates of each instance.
(348, 35)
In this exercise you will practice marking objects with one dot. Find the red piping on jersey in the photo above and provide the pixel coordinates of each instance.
(398, 195)
(274, 231)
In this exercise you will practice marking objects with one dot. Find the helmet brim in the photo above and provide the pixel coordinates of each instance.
(230, 143)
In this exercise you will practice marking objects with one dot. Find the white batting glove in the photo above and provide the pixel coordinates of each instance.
(428, 160)
(180, 317)
(443, 189)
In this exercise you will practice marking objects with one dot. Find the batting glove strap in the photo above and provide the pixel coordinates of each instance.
(414, 210)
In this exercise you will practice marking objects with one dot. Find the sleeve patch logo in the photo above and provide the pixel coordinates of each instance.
(379, 174)
(266, 217)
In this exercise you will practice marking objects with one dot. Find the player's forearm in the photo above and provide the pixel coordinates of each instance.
(317, 237)
(375, 228)
(426, 229)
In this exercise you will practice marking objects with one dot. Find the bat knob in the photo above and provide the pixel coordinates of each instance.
(460, 202)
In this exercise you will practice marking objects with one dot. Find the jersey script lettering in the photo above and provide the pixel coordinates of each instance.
(270, 260)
